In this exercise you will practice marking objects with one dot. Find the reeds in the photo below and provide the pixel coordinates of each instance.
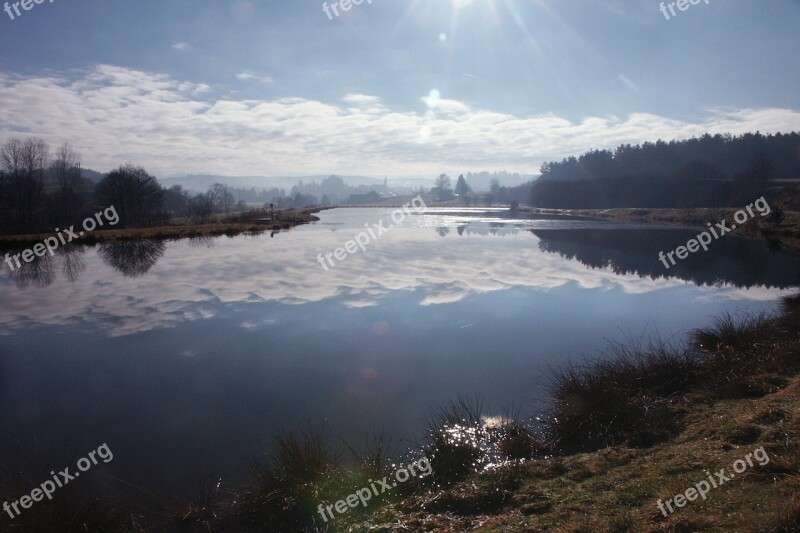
(630, 395)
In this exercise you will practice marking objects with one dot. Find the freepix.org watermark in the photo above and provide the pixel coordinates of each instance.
(362, 239)
(46, 489)
(51, 244)
(364, 495)
(701, 488)
(682, 5)
(704, 239)
(26, 5)
(344, 5)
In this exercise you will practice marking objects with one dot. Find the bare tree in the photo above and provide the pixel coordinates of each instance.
(11, 156)
(443, 182)
(443, 187)
(176, 201)
(69, 195)
(67, 166)
(136, 195)
(25, 163)
(221, 199)
(200, 208)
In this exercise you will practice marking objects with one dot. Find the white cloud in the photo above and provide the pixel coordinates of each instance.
(183, 47)
(361, 99)
(113, 115)
(259, 324)
(250, 76)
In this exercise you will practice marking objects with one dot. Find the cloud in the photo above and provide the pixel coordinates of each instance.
(360, 99)
(259, 324)
(183, 47)
(444, 106)
(250, 76)
(114, 114)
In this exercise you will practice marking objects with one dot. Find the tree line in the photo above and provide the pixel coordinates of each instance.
(709, 171)
(40, 190)
(463, 190)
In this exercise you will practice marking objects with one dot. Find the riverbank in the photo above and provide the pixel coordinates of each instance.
(255, 222)
(662, 421)
(786, 232)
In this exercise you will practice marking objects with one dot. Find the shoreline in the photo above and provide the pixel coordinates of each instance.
(621, 477)
(787, 233)
(284, 220)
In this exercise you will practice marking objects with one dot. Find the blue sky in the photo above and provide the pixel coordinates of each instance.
(390, 88)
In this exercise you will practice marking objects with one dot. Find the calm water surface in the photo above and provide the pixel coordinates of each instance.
(198, 352)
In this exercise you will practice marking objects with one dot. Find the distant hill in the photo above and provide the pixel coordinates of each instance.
(478, 181)
(92, 175)
(201, 182)
(481, 181)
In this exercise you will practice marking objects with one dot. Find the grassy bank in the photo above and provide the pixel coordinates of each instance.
(643, 425)
(621, 432)
(255, 221)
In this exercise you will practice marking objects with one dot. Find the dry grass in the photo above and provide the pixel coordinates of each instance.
(616, 489)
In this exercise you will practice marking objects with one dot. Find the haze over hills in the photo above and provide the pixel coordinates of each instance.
(288, 191)
(91, 175)
(201, 182)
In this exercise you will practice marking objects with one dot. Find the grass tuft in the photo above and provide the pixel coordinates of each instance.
(789, 518)
(623, 398)
(730, 333)
(291, 483)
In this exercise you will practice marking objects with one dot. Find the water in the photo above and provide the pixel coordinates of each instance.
(190, 356)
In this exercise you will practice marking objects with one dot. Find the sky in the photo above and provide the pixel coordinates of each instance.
(389, 87)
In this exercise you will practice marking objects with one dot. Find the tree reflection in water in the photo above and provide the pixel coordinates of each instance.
(38, 273)
(202, 242)
(73, 263)
(733, 260)
(134, 258)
